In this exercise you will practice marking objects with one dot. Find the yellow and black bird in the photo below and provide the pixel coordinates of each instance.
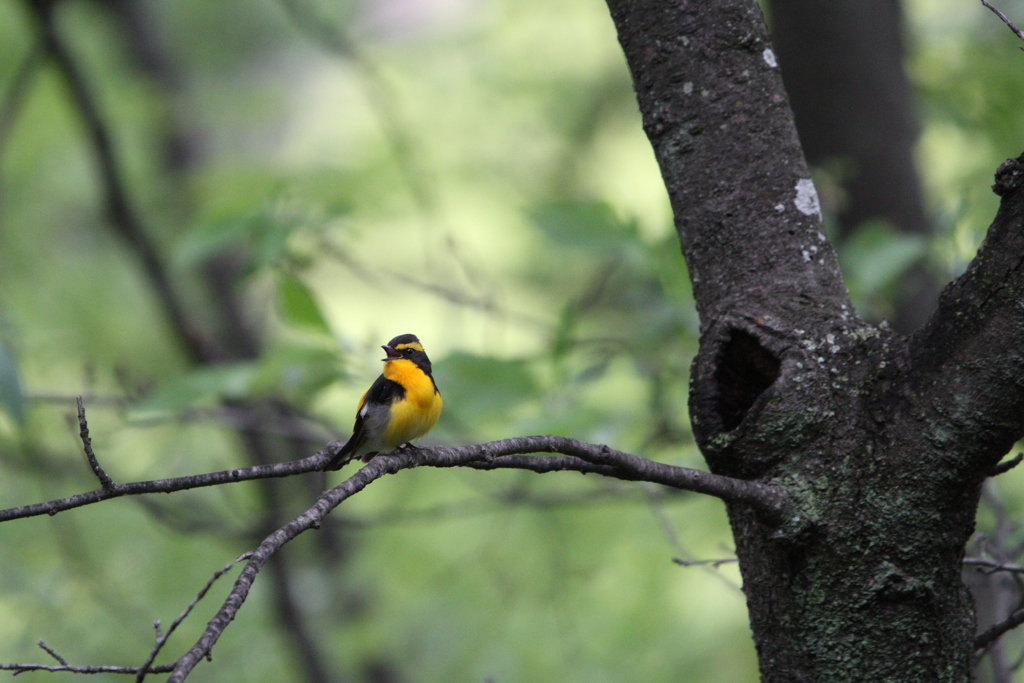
(401, 405)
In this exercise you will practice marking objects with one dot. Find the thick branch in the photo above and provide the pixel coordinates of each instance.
(968, 361)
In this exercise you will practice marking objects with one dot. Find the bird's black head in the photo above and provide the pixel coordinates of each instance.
(407, 346)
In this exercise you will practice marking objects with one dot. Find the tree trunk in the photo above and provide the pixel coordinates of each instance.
(880, 441)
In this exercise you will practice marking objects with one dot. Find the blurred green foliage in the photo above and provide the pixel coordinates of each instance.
(472, 172)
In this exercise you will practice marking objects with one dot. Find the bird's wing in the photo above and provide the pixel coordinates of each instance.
(383, 392)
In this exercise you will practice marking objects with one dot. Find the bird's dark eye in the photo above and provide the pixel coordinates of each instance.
(407, 352)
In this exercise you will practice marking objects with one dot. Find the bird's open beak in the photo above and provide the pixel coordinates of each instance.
(392, 353)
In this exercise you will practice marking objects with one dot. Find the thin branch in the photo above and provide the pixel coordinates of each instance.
(986, 638)
(1006, 20)
(310, 519)
(117, 490)
(83, 431)
(576, 456)
(988, 567)
(53, 653)
(584, 457)
(161, 638)
(22, 668)
(1006, 465)
(505, 454)
(697, 563)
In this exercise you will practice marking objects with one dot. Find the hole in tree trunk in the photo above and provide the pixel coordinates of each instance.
(745, 370)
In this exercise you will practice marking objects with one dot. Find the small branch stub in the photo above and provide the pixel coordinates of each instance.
(1006, 465)
(83, 427)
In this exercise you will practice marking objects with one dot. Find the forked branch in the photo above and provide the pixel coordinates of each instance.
(572, 455)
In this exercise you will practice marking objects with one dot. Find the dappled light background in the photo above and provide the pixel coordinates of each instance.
(318, 177)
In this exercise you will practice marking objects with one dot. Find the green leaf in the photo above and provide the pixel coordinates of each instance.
(297, 305)
(590, 225)
(11, 396)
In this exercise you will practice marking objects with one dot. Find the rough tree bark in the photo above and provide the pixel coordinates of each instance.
(880, 441)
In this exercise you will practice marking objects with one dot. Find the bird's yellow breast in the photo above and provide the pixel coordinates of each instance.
(414, 414)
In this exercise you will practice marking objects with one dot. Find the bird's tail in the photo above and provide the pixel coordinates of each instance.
(342, 457)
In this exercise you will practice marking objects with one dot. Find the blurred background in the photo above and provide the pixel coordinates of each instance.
(213, 213)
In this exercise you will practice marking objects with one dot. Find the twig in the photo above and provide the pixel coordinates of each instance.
(52, 507)
(987, 567)
(695, 563)
(22, 668)
(53, 653)
(161, 639)
(986, 638)
(83, 431)
(1006, 465)
(1006, 20)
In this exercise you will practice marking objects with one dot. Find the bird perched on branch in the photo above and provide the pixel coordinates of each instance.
(401, 405)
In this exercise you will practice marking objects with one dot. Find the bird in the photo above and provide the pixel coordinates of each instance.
(401, 405)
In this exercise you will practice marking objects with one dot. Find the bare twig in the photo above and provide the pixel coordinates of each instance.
(1006, 465)
(988, 567)
(22, 668)
(83, 429)
(117, 490)
(53, 653)
(696, 563)
(1006, 20)
(986, 638)
(161, 638)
